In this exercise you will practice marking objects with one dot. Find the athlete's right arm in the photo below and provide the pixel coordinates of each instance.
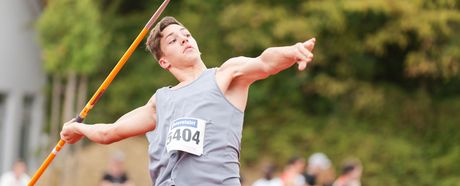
(137, 122)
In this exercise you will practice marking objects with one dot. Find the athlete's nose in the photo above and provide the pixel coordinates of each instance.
(184, 40)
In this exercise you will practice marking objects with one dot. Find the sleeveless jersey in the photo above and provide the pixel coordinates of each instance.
(219, 162)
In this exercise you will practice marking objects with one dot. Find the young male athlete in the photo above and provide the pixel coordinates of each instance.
(194, 128)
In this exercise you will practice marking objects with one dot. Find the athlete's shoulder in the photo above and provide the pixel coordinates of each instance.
(152, 101)
(234, 62)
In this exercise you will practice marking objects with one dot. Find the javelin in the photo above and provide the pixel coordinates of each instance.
(100, 90)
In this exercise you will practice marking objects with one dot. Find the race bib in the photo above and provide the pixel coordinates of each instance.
(186, 134)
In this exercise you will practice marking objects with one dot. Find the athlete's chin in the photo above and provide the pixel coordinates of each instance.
(192, 56)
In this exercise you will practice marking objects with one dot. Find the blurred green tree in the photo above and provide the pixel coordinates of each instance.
(384, 85)
(72, 40)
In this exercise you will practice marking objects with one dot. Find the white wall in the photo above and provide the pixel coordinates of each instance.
(21, 75)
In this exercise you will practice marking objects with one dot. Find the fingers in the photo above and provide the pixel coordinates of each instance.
(75, 140)
(70, 137)
(303, 56)
(302, 65)
(69, 133)
(65, 134)
(310, 44)
(304, 53)
(307, 53)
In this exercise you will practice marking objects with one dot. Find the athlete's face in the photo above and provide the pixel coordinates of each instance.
(178, 46)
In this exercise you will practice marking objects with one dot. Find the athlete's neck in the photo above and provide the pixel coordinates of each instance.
(188, 74)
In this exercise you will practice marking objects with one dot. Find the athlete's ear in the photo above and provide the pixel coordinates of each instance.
(164, 63)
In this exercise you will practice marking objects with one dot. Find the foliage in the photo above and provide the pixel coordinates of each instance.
(71, 36)
(384, 85)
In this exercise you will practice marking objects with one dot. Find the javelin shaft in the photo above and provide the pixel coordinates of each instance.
(100, 90)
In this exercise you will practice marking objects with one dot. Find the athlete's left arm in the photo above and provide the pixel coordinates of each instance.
(236, 75)
(246, 70)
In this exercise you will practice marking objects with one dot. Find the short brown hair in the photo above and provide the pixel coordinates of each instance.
(153, 41)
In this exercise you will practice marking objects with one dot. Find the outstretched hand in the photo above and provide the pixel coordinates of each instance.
(303, 54)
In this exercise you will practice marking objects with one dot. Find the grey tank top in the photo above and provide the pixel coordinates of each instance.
(219, 163)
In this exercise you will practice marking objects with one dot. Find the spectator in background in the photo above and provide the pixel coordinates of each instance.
(319, 170)
(16, 177)
(292, 174)
(116, 174)
(351, 174)
(268, 177)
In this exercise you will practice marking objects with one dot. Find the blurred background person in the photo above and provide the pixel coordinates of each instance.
(116, 174)
(17, 176)
(292, 173)
(319, 170)
(268, 177)
(351, 174)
